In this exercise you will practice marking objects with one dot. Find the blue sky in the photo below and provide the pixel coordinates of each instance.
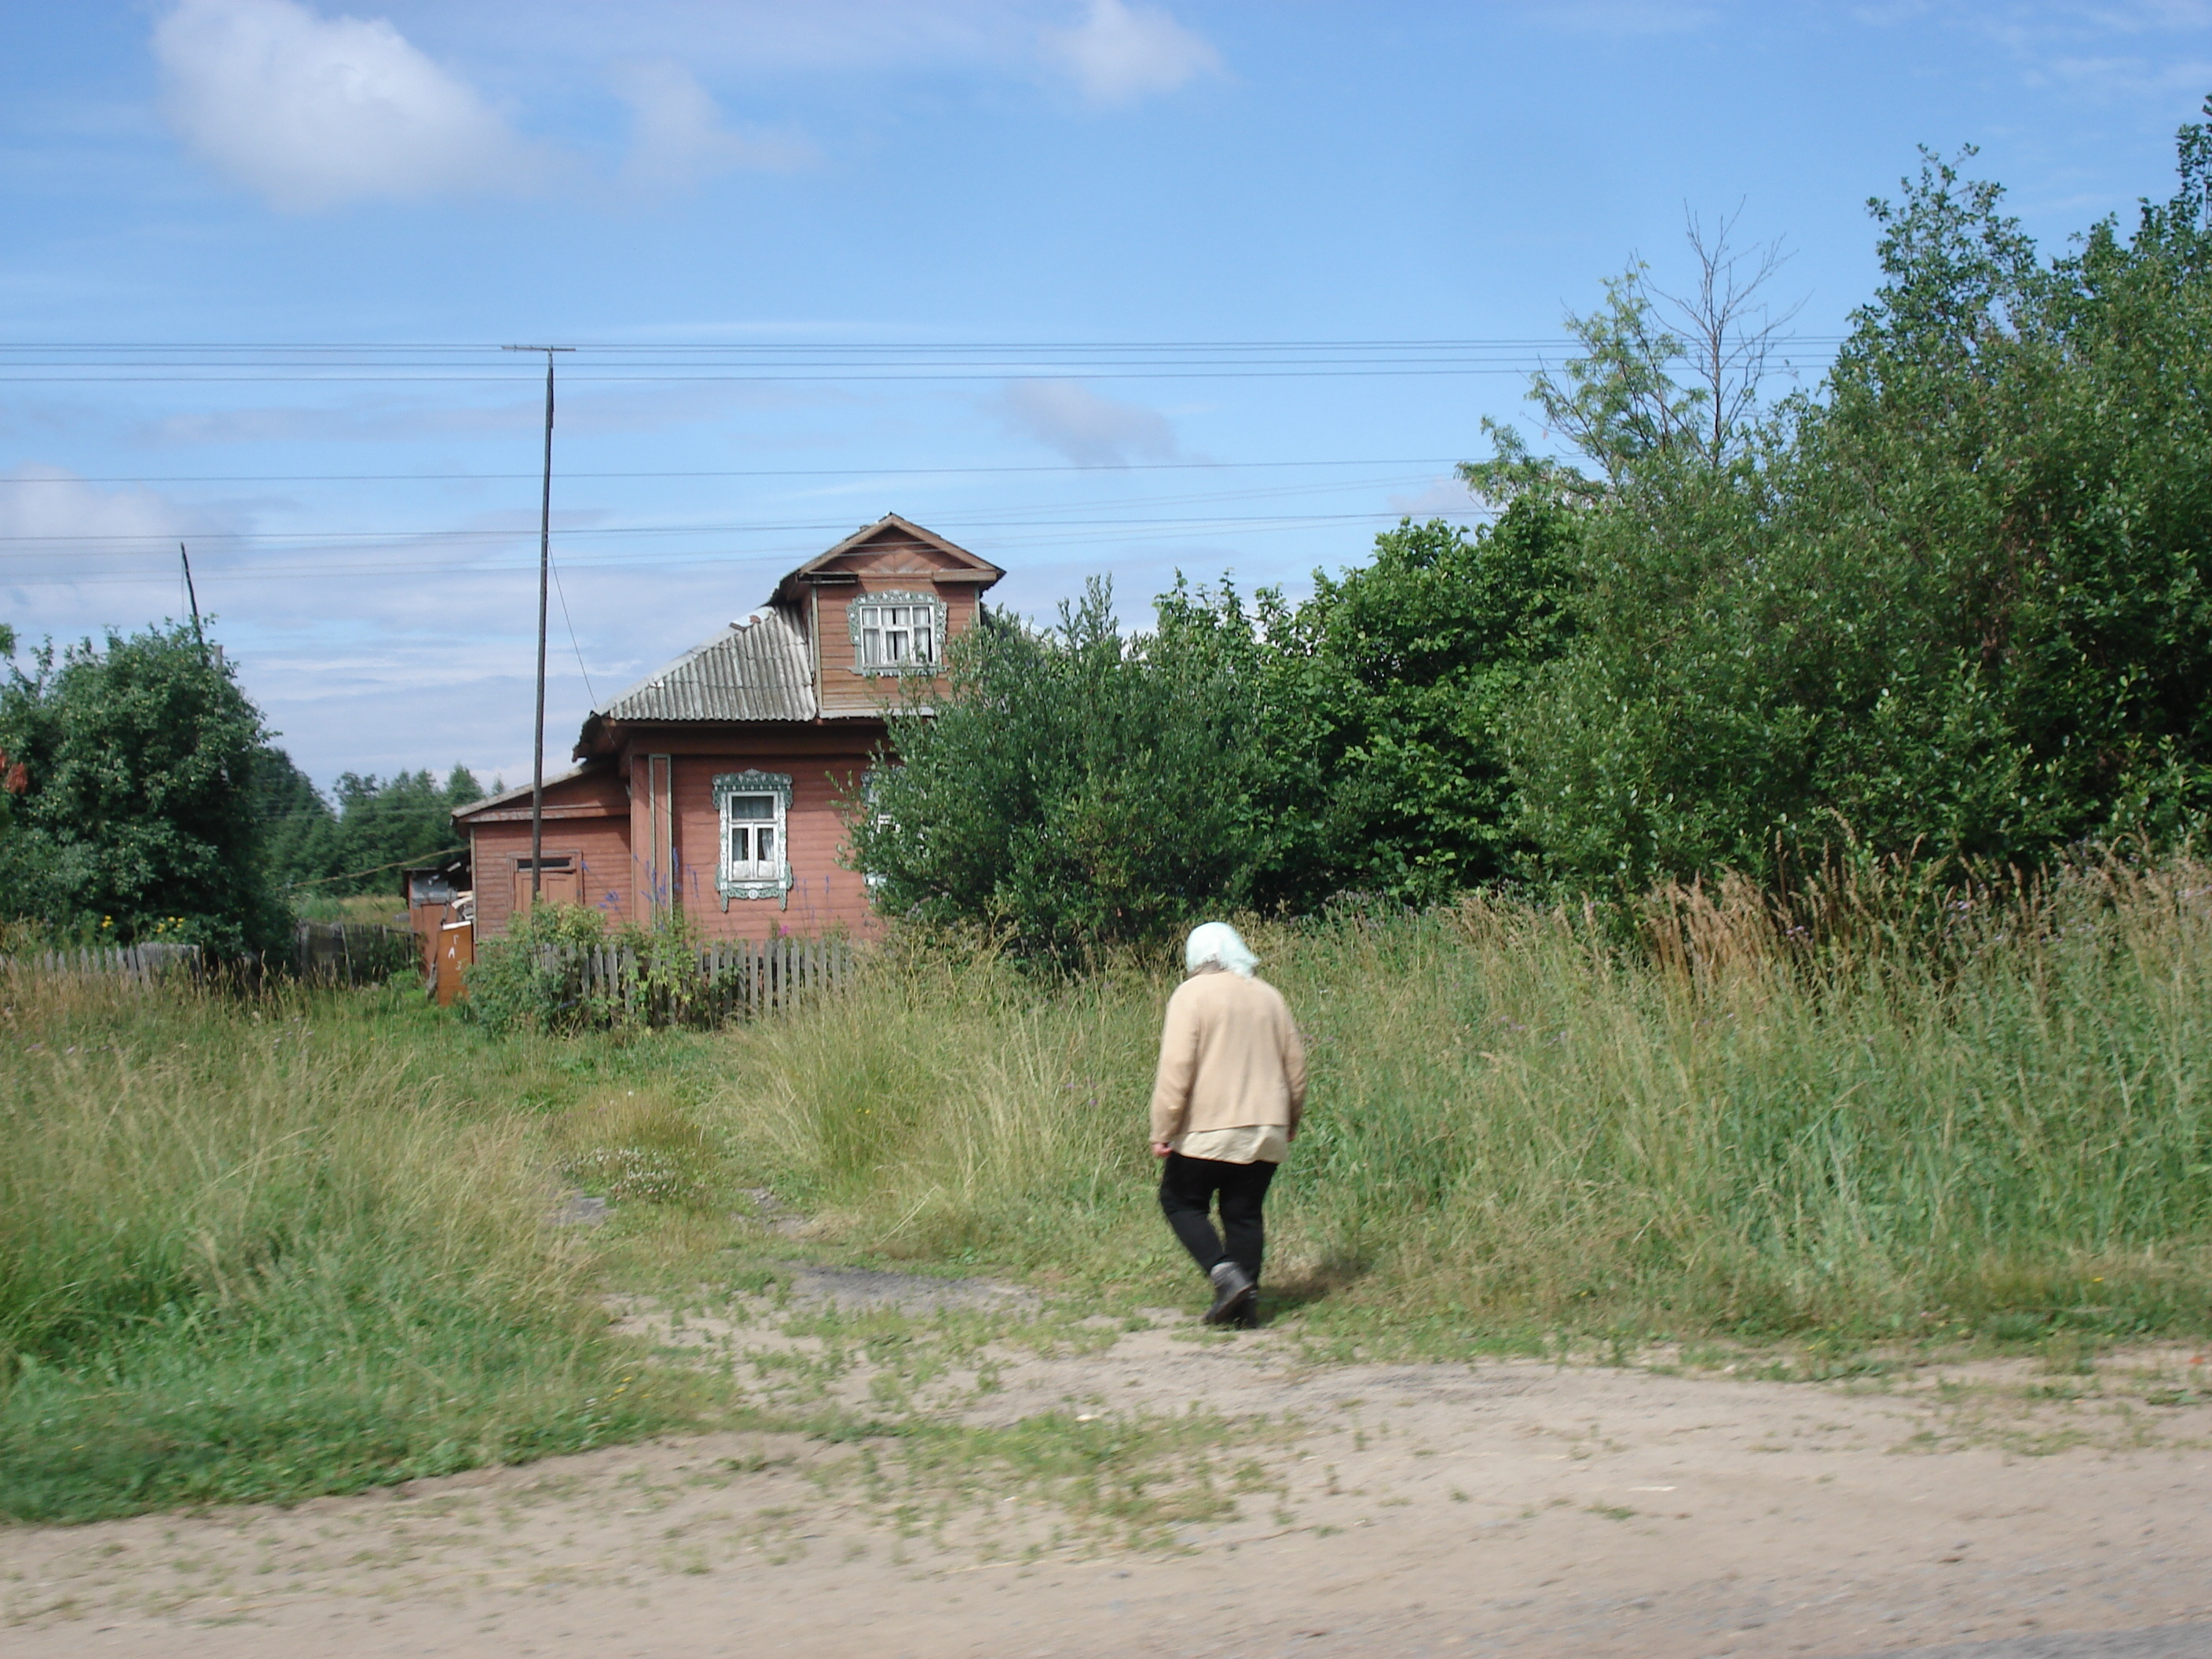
(1090, 286)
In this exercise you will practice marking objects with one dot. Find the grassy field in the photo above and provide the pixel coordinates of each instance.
(260, 1248)
(1517, 1127)
(254, 1249)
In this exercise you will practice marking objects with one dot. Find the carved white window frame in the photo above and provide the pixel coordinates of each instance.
(751, 885)
(856, 616)
(876, 816)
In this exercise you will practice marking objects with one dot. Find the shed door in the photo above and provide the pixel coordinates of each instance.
(559, 884)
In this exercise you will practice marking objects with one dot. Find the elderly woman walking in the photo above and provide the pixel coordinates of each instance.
(1226, 1102)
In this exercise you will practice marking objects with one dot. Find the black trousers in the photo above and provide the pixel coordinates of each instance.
(1186, 1189)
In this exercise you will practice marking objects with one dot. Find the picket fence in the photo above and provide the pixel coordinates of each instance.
(731, 980)
(137, 962)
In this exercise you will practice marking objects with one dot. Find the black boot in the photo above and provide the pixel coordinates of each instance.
(1234, 1295)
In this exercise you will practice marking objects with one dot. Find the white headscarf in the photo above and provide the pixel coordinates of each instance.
(1216, 944)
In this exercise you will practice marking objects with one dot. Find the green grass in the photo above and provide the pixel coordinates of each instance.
(252, 1249)
(256, 1249)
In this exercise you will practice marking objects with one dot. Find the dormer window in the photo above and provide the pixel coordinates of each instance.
(897, 633)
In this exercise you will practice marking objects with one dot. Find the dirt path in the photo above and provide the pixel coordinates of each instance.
(1395, 1510)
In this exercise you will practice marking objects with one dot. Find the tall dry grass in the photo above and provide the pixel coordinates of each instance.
(1881, 1107)
(254, 1246)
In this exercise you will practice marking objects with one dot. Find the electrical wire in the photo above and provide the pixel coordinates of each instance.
(1165, 530)
(554, 569)
(131, 545)
(808, 362)
(749, 473)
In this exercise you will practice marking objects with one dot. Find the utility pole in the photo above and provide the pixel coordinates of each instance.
(544, 573)
(192, 593)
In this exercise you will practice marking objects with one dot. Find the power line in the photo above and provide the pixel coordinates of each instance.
(356, 875)
(1092, 534)
(980, 517)
(911, 377)
(748, 472)
(573, 643)
(417, 538)
(1406, 343)
(801, 361)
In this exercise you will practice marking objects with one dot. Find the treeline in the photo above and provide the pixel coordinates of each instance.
(1951, 602)
(353, 844)
(143, 799)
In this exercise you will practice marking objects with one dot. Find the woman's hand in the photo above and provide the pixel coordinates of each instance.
(1161, 1149)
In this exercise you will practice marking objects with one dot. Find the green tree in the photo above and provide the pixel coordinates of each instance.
(138, 815)
(1956, 601)
(1079, 789)
(299, 831)
(1388, 690)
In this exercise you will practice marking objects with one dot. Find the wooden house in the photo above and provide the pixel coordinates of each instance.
(716, 781)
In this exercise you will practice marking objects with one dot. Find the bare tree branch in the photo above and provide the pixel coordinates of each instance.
(1730, 329)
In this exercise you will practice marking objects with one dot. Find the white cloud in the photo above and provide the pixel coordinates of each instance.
(1091, 430)
(1121, 53)
(768, 39)
(1440, 498)
(679, 138)
(75, 557)
(313, 112)
(48, 509)
(2131, 78)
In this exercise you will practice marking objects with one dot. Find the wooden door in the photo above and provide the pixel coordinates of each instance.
(562, 884)
(457, 949)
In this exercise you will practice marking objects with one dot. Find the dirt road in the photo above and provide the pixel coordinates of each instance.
(1448, 1509)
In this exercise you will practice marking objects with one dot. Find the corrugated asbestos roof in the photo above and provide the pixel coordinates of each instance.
(754, 670)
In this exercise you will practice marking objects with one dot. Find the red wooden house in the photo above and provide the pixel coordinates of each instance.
(714, 782)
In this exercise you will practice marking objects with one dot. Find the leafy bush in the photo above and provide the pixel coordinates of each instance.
(1382, 700)
(1957, 599)
(538, 977)
(532, 978)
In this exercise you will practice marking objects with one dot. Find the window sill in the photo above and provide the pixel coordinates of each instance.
(778, 889)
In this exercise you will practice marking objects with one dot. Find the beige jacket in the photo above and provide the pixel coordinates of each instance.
(1229, 1056)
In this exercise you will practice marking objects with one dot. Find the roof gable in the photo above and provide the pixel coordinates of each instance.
(893, 546)
(591, 781)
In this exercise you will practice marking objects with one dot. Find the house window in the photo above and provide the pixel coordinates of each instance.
(754, 853)
(876, 817)
(897, 633)
(755, 808)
